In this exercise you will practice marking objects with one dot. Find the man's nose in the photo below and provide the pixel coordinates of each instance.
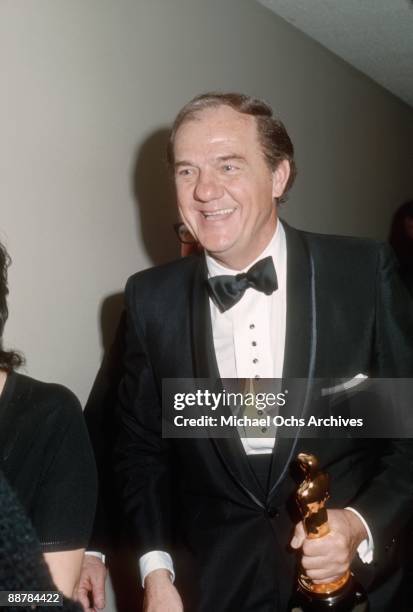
(207, 187)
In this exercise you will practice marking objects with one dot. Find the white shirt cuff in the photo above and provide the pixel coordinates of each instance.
(95, 553)
(366, 547)
(153, 560)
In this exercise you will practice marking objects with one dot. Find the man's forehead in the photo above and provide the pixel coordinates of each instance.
(215, 127)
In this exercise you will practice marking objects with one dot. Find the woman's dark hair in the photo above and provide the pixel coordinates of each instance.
(275, 141)
(399, 239)
(8, 359)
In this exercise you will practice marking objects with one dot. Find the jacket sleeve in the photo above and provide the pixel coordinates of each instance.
(386, 502)
(393, 348)
(142, 457)
(100, 416)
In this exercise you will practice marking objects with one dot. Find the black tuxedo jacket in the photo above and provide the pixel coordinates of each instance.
(347, 313)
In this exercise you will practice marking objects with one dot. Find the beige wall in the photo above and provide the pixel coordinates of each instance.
(88, 87)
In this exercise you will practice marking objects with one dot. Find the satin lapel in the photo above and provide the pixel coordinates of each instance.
(300, 344)
(205, 363)
(230, 450)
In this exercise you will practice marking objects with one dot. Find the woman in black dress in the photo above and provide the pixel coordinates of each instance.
(46, 457)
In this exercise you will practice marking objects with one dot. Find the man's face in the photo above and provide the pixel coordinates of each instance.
(225, 188)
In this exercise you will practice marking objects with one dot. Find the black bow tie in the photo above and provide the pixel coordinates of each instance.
(227, 290)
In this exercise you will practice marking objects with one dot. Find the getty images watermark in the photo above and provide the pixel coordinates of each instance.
(359, 406)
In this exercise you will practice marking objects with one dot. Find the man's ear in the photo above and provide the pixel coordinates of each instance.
(280, 177)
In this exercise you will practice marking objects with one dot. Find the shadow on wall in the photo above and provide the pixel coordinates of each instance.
(155, 199)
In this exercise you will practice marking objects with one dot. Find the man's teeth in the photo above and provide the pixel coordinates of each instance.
(217, 213)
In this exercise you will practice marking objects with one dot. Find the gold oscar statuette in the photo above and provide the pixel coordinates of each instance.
(344, 594)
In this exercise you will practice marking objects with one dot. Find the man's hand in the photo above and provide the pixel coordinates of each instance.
(90, 590)
(326, 559)
(160, 593)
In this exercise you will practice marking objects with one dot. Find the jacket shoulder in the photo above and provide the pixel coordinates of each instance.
(345, 251)
(344, 256)
(168, 280)
(342, 243)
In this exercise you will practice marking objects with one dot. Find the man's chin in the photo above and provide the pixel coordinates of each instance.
(215, 250)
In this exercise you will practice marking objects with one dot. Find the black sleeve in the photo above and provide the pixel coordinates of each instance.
(102, 423)
(394, 320)
(65, 499)
(386, 502)
(142, 457)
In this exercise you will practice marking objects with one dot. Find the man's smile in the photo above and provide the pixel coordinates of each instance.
(217, 215)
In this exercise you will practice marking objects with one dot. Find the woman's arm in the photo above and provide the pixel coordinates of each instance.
(65, 569)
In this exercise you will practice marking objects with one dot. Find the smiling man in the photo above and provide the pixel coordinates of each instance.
(210, 517)
(226, 188)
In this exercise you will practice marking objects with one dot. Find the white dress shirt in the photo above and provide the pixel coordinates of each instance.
(249, 338)
(249, 342)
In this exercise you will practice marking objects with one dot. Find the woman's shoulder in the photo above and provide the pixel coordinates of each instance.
(43, 399)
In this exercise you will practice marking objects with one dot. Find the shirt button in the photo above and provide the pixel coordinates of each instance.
(254, 343)
(260, 412)
(252, 326)
(255, 360)
(257, 376)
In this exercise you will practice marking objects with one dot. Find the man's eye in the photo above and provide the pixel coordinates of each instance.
(228, 167)
(184, 172)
